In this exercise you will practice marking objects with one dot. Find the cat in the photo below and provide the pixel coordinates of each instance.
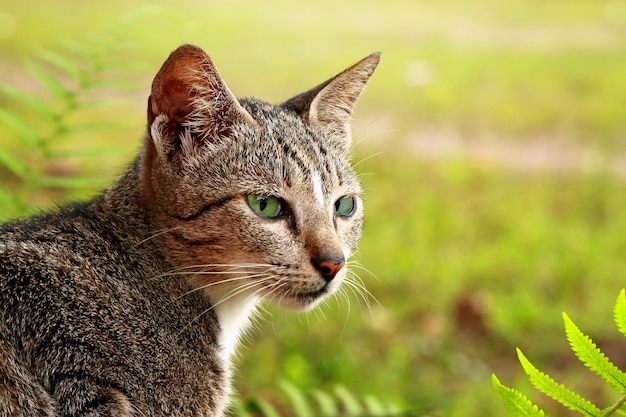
(132, 304)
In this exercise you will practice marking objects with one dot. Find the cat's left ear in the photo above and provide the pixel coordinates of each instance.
(330, 104)
(190, 105)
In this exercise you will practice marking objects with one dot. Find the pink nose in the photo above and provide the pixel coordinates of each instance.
(328, 267)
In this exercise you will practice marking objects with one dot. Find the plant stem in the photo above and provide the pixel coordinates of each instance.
(615, 406)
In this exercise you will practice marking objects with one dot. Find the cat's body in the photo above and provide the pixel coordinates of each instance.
(132, 304)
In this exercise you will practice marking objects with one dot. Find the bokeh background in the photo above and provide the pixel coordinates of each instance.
(491, 142)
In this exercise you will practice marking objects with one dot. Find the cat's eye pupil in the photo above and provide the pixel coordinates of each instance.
(345, 206)
(265, 206)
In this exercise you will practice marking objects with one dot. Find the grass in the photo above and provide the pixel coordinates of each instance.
(471, 258)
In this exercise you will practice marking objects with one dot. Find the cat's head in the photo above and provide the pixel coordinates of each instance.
(247, 198)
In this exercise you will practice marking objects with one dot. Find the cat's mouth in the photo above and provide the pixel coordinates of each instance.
(312, 295)
(308, 299)
(304, 293)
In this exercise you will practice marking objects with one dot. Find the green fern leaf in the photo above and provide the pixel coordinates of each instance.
(257, 405)
(593, 358)
(326, 405)
(557, 391)
(375, 407)
(621, 410)
(84, 51)
(62, 63)
(350, 405)
(619, 313)
(516, 404)
(13, 164)
(35, 104)
(21, 128)
(301, 407)
(50, 82)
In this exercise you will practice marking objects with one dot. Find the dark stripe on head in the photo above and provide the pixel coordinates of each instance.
(204, 209)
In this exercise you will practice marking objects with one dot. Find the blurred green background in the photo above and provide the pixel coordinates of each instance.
(491, 142)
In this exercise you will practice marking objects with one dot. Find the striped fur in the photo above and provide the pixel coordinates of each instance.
(132, 304)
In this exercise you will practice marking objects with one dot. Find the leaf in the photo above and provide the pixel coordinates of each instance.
(619, 313)
(13, 164)
(62, 63)
(259, 405)
(516, 404)
(593, 358)
(50, 82)
(325, 403)
(35, 104)
(350, 404)
(21, 128)
(621, 410)
(297, 398)
(80, 49)
(557, 391)
(375, 407)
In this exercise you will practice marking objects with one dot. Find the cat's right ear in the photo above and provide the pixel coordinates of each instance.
(190, 106)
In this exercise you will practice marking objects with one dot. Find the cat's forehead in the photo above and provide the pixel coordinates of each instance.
(274, 119)
(285, 153)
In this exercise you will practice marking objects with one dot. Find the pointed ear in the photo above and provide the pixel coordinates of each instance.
(190, 105)
(331, 103)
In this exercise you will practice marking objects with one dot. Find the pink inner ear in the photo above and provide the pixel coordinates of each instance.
(176, 103)
(189, 91)
(172, 89)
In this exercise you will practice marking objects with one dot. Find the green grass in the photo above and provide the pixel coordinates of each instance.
(439, 235)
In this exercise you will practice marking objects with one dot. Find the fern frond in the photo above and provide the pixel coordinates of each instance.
(257, 405)
(516, 403)
(62, 63)
(557, 391)
(301, 407)
(47, 80)
(350, 405)
(33, 103)
(326, 405)
(593, 358)
(80, 49)
(619, 407)
(13, 164)
(374, 407)
(22, 129)
(317, 403)
(619, 313)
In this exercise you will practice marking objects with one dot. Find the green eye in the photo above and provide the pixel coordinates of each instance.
(345, 206)
(264, 206)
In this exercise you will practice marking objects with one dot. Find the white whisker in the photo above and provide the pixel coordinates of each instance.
(211, 284)
(367, 158)
(155, 234)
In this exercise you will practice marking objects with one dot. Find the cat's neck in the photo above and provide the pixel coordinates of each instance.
(126, 203)
(234, 313)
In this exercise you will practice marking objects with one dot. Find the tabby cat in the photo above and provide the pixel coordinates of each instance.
(131, 304)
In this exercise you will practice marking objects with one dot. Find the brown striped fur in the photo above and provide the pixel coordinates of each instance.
(131, 304)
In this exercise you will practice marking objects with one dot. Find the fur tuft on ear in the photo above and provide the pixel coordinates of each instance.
(190, 105)
(331, 103)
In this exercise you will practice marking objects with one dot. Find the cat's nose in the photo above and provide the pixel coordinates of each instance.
(328, 267)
